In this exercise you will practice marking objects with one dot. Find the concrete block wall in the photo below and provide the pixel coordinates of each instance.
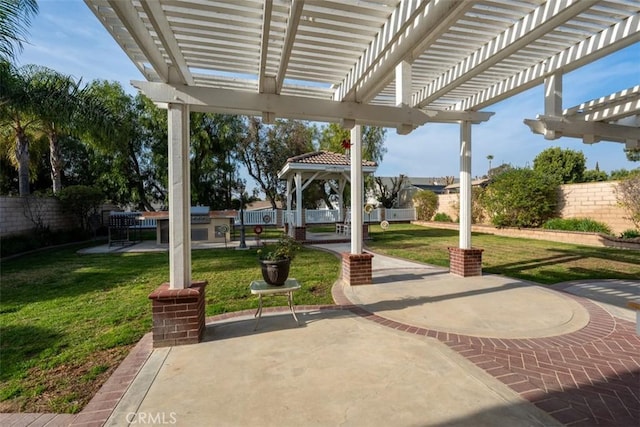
(594, 200)
(15, 217)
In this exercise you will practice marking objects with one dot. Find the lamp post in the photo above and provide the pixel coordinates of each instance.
(243, 244)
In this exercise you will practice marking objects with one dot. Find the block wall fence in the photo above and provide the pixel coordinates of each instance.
(594, 200)
(16, 213)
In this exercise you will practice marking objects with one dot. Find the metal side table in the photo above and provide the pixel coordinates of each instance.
(260, 288)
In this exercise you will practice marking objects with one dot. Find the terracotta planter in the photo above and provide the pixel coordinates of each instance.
(275, 272)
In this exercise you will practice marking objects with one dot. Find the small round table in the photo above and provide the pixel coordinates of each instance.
(260, 288)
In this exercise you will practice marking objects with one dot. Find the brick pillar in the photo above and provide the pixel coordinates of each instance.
(356, 268)
(465, 262)
(178, 314)
(300, 234)
(365, 231)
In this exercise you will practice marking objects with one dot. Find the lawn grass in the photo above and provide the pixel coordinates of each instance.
(535, 260)
(67, 320)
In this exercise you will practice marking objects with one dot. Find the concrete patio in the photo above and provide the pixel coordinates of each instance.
(417, 347)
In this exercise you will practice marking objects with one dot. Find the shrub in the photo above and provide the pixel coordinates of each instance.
(81, 201)
(630, 234)
(36, 239)
(477, 210)
(426, 203)
(628, 196)
(442, 217)
(520, 198)
(577, 224)
(566, 166)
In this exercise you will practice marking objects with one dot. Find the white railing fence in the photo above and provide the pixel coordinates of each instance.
(321, 216)
(400, 214)
(264, 217)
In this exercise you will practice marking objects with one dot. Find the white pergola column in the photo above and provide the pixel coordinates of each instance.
(356, 190)
(465, 185)
(179, 197)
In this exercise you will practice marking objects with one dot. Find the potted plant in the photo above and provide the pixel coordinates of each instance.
(276, 259)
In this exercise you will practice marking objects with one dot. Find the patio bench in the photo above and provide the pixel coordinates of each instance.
(635, 305)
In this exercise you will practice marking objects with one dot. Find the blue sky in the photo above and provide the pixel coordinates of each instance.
(67, 37)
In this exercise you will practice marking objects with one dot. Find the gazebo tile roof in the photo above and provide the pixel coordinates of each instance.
(326, 158)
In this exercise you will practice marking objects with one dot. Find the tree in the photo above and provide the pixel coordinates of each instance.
(66, 109)
(566, 166)
(594, 175)
(333, 135)
(18, 99)
(628, 195)
(82, 202)
(389, 196)
(124, 148)
(489, 157)
(499, 169)
(426, 203)
(213, 166)
(265, 150)
(520, 198)
(15, 17)
(633, 154)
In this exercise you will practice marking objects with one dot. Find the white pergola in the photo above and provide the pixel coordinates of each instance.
(392, 63)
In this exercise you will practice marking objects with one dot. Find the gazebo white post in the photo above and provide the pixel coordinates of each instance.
(180, 294)
(465, 185)
(287, 219)
(356, 266)
(464, 260)
(299, 232)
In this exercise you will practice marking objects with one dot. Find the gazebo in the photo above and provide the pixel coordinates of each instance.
(334, 168)
(398, 64)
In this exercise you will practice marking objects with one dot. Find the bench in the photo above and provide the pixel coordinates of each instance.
(635, 305)
(345, 227)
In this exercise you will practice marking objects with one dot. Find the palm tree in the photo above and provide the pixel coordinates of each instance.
(45, 101)
(17, 102)
(489, 157)
(15, 17)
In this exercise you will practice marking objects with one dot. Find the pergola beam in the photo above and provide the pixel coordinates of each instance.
(264, 45)
(589, 132)
(248, 103)
(622, 34)
(616, 106)
(160, 24)
(530, 27)
(129, 17)
(411, 27)
(292, 27)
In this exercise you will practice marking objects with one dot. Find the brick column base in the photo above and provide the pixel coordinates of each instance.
(365, 231)
(300, 234)
(465, 262)
(178, 314)
(356, 268)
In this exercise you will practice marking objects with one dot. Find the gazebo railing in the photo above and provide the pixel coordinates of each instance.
(321, 216)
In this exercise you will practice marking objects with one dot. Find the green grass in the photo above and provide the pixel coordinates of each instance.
(67, 320)
(535, 260)
(577, 224)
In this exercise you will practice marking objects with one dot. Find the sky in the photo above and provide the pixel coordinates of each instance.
(68, 38)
